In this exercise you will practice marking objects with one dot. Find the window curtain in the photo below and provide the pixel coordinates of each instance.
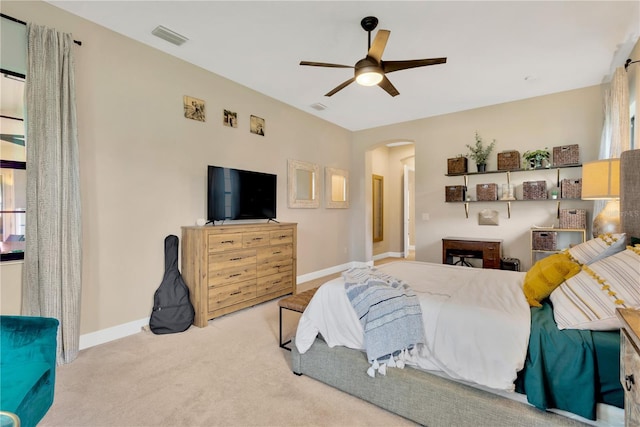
(52, 260)
(616, 132)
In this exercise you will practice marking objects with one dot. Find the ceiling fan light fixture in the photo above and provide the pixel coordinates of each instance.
(370, 78)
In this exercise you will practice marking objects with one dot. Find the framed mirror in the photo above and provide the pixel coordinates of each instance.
(303, 184)
(378, 208)
(336, 187)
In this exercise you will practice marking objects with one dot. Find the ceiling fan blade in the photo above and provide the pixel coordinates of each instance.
(386, 85)
(390, 66)
(324, 64)
(379, 43)
(340, 87)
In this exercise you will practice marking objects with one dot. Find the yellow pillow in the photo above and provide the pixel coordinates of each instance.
(546, 275)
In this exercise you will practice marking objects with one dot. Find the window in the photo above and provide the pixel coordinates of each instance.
(13, 176)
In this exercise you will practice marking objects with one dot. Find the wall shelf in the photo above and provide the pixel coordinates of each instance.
(466, 175)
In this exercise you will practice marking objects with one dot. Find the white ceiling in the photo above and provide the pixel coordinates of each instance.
(497, 51)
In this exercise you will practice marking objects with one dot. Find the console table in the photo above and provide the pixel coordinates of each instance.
(489, 250)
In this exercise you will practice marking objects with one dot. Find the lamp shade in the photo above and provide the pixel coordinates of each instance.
(601, 180)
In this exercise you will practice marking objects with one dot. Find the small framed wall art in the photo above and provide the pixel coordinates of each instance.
(230, 119)
(193, 108)
(256, 125)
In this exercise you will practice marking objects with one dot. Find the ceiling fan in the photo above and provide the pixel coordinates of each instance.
(371, 70)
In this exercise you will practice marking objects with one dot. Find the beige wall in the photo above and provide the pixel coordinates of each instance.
(143, 165)
(573, 117)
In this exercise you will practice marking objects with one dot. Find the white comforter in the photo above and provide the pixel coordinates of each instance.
(476, 320)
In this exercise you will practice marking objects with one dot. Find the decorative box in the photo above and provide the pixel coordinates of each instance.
(571, 188)
(487, 192)
(573, 218)
(508, 160)
(544, 240)
(566, 155)
(456, 165)
(454, 193)
(534, 190)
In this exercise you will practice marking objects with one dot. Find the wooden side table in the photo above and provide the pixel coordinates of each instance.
(489, 250)
(630, 363)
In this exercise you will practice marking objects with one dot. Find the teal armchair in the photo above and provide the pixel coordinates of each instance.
(27, 366)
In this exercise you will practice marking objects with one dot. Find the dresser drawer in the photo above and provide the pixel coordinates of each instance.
(274, 283)
(274, 253)
(281, 236)
(224, 296)
(229, 267)
(219, 242)
(256, 239)
(274, 259)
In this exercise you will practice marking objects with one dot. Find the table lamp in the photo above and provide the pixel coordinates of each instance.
(601, 181)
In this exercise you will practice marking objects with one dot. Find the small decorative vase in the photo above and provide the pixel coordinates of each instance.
(482, 167)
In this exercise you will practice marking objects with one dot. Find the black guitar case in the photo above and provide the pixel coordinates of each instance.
(172, 309)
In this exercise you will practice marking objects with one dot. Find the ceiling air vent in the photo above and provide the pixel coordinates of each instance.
(168, 35)
(318, 106)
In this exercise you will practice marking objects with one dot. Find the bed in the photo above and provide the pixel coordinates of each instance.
(464, 373)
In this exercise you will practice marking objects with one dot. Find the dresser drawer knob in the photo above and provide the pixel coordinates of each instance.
(629, 381)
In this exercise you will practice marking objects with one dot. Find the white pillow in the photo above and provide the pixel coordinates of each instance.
(589, 299)
(596, 249)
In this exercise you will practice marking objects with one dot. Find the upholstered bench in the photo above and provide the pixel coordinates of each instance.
(297, 303)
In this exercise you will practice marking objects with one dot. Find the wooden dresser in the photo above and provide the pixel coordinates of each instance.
(630, 364)
(231, 267)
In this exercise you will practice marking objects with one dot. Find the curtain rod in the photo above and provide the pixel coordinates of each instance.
(629, 62)
(11, 18)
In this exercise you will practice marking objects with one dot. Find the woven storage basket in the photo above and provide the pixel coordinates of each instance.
(534, 190)
(571, 188)
(454, 193)
(457, 165)
(487, 192)
(573, 218)
(544, 240)
(508, 160)
(566, 155)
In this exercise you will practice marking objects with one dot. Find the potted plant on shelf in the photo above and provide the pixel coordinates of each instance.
(479, 153)
(537, 158)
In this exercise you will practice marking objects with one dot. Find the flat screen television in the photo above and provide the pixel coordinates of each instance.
(240, 194)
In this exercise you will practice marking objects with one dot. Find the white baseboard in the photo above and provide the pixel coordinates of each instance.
(113, 333)
(116, 332)
(331, 270)
(388, 255)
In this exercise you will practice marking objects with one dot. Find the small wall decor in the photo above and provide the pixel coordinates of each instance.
(256, 125)
(230, 119)
(193, 108)
(488, 217)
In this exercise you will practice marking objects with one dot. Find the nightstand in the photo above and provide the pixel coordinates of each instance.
(630, 364)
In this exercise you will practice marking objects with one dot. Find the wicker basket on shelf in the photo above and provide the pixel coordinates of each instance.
(508, 160)
(573, 218)
(454, 193)
(566, 155)
(571, 188)
(456, 165)
(544, 240)
(534, 190)
(487, 192)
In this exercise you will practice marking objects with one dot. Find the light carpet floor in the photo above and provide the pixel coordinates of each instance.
(231, 373)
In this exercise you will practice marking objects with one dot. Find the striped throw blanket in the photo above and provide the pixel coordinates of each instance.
(388, 310)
